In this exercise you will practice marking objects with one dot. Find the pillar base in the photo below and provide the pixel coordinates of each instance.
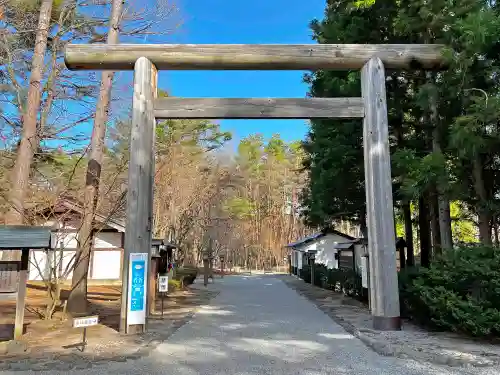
(383, 323)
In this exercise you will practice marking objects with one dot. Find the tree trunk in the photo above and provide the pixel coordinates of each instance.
(495, 231)
(443, 202)
(445, 222)
(425, 241)
(434, 216)
(363, 228)
(410, 254)
(30, 138)
(77, 301)
(483, 213)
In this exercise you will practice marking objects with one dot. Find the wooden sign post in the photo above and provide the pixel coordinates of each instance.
(84, 322)
(372, 59)
(162, 289)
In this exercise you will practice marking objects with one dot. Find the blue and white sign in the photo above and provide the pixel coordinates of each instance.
(137, 288)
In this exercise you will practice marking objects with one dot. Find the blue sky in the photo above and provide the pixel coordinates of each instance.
(239, 21)
(220, 22)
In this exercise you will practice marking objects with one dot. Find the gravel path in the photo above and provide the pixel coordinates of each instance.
(257, 325)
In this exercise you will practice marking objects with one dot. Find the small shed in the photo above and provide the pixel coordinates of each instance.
(64, 220)
(334, 249)
(14, 273)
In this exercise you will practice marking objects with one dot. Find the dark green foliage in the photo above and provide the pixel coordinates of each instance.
(320, 272)
(460, 292)
(457, 107)
(187, 274)
(344, 281)
(305, 273)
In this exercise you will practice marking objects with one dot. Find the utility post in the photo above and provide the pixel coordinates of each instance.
(222, 266)
(312, 260)
(205, 267)
(210, 259)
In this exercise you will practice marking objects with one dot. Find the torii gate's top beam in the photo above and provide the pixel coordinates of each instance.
(253, 56)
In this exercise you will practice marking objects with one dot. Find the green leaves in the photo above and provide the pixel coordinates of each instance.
(460, 292)
(240, 208)
(440, 123)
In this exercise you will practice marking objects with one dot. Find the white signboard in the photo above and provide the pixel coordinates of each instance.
(163, 284)
(364, 272)
(85, 321)
(137, 290)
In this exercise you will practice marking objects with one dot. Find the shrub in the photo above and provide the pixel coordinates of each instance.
(346, 281)
(188, 274)
(320, 274)
(305, 273)
(460, 292)
(174, 285)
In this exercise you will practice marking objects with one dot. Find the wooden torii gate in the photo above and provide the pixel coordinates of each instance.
(145, 59)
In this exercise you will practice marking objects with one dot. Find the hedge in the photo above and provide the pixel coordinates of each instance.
(460, 292)
(187, 274)
(344, 281)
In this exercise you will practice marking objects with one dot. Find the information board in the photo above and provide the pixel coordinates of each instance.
(163, 284)
(137, 278)
(9, 271)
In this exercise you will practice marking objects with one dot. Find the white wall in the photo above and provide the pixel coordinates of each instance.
(68, 239)
(37, 265)
(108, 240)
(106, 265)
(326, 250)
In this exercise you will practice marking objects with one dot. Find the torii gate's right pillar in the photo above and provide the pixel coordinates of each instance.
(384, 292)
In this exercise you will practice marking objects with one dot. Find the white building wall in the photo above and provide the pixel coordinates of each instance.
(108, 240)
(326, 251)
(37, 265)
(106, 264)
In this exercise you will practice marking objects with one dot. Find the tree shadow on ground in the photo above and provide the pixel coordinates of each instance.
(243, 337)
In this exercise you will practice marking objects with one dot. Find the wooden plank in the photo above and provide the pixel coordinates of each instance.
(140, 176)
(252, 56)
(21, 295)
(152, 276)
(261, 108)
(9, 270)
(380, 216)
(17, 237)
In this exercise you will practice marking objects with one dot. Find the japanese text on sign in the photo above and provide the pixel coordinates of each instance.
(86, 321)
(163, 284)
(138, 288)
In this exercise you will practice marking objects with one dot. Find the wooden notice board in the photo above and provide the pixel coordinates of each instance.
(9, 276)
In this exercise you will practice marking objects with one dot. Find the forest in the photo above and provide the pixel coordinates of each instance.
(444, 131)
(445, 155)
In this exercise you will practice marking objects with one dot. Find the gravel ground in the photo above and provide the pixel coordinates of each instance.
(257, 325)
